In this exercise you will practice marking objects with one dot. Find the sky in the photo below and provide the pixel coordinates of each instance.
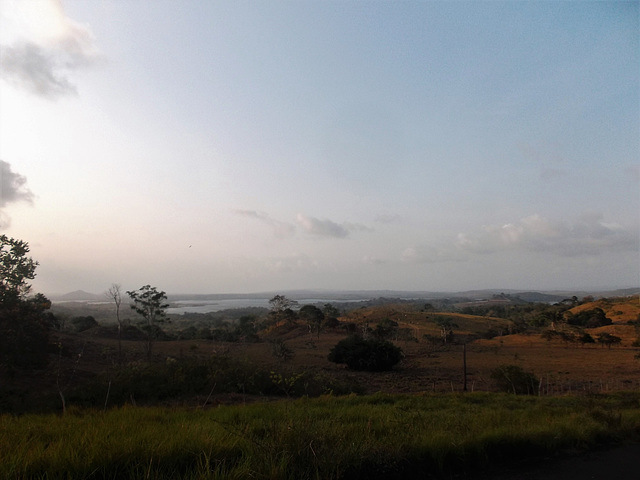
(247, 146)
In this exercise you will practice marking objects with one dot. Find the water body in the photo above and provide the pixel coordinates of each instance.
(180, 307)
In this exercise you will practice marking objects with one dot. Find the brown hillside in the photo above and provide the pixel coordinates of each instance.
(618, 309)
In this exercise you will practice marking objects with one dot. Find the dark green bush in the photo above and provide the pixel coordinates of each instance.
(82, 323)
(372, 355)
(589, 318)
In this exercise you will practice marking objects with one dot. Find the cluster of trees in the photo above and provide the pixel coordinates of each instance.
(528, 317)
(371, 354)
(584, 338)
(25, 322)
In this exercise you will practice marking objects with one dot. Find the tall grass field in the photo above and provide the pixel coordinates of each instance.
(330, 437)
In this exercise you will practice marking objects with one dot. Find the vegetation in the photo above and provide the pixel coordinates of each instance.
(513, 379)
(150, 304)
(109, 384)
(390, 436)
(24, 321)
(373, 355)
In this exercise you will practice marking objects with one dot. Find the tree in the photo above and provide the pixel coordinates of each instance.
(114, 294)
(281, 350)
(446, 329)
(281, 309)
(330, 311)
(313, 317)
(589, 318)
(24, 325)
(586, 338)
(373, 355)
(280, 303)
(386, 329)
(15, 269)
(607, 339)
(150, 304)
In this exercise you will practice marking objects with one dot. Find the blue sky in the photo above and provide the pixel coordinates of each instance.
(250, 146)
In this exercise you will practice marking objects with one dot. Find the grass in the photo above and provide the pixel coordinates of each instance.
(391, 436)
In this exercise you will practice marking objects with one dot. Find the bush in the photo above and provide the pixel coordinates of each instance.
(589, 318)
(513, 379)
(371, 355)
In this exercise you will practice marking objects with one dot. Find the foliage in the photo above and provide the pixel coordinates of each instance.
(377, 436)
(149, 302)
(586, 338)
(608, 339)
(280, 303)
(281, 350)
(386, 329)
(15, 270)
(513, 379)
(313, 317)
(181, 379)
(24, 322)
(588, 318)
(24, 335)
(330, 311)
(83, 323)
(366, 354)
(446, 329)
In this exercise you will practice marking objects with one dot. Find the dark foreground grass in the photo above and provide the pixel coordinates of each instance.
(378, 436)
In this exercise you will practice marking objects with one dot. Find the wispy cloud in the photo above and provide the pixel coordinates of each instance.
(322, 228)
(13, 188)
(374, 260)
(280, 229)
(43, 62)
(589, 235)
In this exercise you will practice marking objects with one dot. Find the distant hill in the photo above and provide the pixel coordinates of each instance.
(79, 296)
(540, 297)
(352, 295)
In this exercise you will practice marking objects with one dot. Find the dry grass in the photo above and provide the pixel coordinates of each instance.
(619, 310)
(426, 367)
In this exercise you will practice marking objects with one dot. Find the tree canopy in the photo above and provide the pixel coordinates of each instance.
(15, 269)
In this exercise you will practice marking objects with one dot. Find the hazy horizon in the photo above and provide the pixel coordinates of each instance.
(249, 146)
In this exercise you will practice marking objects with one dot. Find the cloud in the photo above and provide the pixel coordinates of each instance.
(588, 235)
(13, 188)
(373, 260)
(280, 229)
(43, 62)
(322, 228)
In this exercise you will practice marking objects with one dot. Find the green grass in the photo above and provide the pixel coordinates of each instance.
(323, 438)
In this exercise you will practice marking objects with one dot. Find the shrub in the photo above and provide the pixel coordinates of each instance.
(371, 355)
(589, 318)
(513, 379)
(81, 324)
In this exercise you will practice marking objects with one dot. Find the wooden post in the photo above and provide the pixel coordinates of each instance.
(464, 362)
